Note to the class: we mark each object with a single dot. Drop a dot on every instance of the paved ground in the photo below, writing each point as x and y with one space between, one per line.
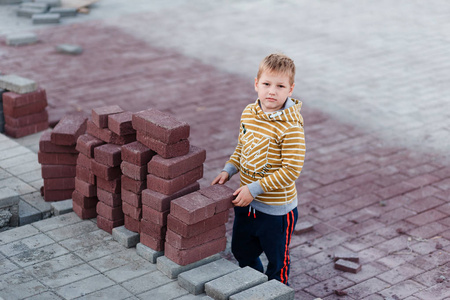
372 77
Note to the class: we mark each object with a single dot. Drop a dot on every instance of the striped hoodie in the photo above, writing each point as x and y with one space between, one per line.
270 155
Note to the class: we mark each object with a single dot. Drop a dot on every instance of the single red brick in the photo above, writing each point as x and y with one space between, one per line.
192 208
131 224
108 154
120 123
84 213
46 145
16 100
135 186
347 266
27 120
153 229
165 150
67 131
131 198
136 153
110 199
161 126
132 211
171 186
57 171
108 136
105 172
180 242
133 171
57 195
84 188
155 216
100 114
55 184
57 158
112 186
17 132
84 202
108 225
84 161
109 212
151 242
86 144
189 231
85 174
161 202
174 167
189 256
221 194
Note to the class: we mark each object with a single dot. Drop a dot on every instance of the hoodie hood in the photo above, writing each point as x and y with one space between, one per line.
291 112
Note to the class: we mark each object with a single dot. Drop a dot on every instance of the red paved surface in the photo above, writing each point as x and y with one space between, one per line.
389 205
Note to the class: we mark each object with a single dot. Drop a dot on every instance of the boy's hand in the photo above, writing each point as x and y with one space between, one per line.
221 178
243 196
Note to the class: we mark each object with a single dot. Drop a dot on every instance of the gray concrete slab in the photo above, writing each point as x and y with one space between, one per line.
148 253
125 237
62 207
172 269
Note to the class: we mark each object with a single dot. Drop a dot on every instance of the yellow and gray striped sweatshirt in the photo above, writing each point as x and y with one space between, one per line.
270 155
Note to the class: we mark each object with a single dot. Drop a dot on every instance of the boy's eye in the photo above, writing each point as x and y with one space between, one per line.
281 86
265 83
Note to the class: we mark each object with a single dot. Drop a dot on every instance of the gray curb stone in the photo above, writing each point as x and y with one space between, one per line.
17 84
172 269
148 253
19 39
125 237
69 49
271 290
222 288
62 207
46 18
28 214
194 280
64 11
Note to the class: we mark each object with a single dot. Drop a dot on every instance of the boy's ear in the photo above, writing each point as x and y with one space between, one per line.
292 89
256 84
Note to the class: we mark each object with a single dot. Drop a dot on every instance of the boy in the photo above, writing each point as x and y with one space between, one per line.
269 157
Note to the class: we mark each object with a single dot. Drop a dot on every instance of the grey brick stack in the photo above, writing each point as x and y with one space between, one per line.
172 173
58 157
24 106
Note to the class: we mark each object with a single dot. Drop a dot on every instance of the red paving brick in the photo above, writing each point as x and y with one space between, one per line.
357 191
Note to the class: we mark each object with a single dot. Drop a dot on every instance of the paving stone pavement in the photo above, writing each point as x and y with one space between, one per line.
376 179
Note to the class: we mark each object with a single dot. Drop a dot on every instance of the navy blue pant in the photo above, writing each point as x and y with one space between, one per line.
256 233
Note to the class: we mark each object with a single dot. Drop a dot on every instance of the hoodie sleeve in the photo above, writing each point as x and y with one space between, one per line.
292 159
232 166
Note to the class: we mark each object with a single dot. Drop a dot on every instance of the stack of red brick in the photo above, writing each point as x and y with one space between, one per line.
135 157
58 157
25 114
196 224
172 173
112 125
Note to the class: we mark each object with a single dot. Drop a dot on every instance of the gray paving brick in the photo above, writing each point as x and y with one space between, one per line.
14 278
23 290
51 266
130 271
271 290
146 282
8 197
148 253
172 269
84 287
62 207
51 3
16 234
57 222
194 280
17 185
28 214
125 237
222 288
45 296
29 243
7 266
68 276
169 291
33 256
64 11
23 168
46 18
98 250
17 84
72 230
69 49
86 240
28 12
113 292
116 260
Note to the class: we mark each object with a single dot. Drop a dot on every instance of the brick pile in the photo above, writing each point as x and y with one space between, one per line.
196 224
135 157
24 110
172 173
58 157
112 125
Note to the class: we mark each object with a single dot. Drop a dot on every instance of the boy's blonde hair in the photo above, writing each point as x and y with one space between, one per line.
278 63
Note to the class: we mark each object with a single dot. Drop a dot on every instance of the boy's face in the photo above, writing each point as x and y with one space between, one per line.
273 89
